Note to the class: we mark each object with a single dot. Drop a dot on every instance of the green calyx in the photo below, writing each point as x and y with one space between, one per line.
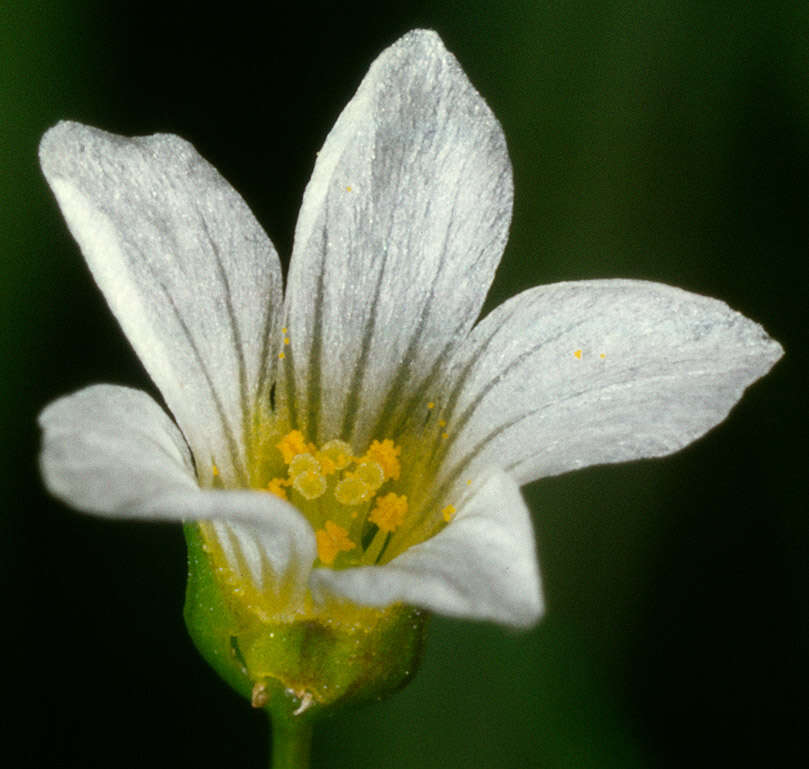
302 669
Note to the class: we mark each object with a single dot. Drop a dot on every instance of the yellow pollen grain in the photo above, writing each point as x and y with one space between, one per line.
577 354
332 540
390 512
303 463
442 422
339 452
448 512
286 340
445 435
281 356
431 405
292 444
215 471
352 491
602 356
371 474
310 484
284 330
469 482
385 453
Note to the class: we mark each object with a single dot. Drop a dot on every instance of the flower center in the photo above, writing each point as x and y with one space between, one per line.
351 500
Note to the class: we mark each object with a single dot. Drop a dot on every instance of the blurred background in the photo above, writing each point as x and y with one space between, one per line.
660 140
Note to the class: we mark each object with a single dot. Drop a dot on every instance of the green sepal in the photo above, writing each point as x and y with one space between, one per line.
303 669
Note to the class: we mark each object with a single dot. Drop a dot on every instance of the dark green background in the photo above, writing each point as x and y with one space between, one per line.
666 141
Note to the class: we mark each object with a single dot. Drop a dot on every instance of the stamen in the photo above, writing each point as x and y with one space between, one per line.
386 453
389 513
292 444
332 540
276 486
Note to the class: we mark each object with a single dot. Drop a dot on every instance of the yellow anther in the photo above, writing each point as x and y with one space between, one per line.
276 486
352 491
389 513
292 444
577 354
386 453
371 474
303 463
309 484
448 512
332 540
339 452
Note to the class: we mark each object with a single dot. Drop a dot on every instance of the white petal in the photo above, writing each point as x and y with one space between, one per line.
114 452
401 228
193 280
483 565
576 374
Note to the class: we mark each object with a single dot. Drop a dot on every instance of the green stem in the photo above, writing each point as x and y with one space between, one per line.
291 744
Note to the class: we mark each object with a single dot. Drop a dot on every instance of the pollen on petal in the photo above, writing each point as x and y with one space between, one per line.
390 512
385 453
577 354
332 540
448 512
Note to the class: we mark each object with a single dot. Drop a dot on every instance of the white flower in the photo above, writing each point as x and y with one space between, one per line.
397 429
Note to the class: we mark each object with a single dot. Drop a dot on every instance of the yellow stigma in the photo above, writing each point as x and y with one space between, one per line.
332 540
385 453
390 512
448 512
292 444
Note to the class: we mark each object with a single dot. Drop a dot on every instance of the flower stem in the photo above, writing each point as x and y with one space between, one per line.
291 744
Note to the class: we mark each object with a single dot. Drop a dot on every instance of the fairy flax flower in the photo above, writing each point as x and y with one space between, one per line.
355 448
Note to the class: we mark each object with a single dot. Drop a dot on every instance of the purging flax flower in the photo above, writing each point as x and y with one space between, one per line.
359 443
